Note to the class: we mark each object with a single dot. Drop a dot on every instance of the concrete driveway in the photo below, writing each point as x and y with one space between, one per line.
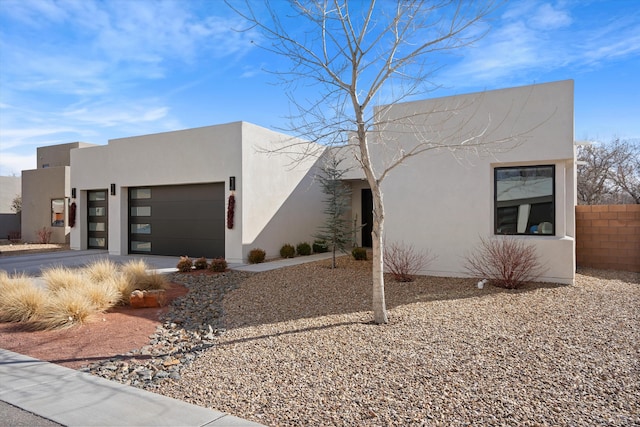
33 264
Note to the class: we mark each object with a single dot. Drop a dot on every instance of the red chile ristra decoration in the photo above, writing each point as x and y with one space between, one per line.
231 207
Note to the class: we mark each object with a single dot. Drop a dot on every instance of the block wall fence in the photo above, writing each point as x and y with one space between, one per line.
608 237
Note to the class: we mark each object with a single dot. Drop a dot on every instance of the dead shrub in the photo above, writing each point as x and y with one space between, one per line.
403 261
507 261
44 235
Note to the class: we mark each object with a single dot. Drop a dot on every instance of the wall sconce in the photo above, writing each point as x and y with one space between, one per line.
232 183
73 193
113 189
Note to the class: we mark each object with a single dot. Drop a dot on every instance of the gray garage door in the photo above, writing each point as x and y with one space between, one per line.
177 220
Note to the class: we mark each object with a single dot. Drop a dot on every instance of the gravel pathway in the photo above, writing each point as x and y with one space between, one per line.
296 347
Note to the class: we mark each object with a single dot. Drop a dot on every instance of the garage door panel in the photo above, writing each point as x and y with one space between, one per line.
188 247
186 210
183 220
190 230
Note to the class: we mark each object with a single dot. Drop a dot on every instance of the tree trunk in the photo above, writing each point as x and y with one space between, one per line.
379 303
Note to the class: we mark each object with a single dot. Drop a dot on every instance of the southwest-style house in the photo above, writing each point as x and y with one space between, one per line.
170 193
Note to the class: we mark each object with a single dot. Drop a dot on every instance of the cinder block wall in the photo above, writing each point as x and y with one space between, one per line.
608 237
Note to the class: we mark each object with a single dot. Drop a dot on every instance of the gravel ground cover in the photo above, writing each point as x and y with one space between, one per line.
299 349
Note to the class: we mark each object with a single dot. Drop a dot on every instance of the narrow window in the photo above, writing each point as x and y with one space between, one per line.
524 200
57 213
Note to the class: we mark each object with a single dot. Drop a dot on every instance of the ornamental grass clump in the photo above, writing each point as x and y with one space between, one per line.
67 308
57 278
139 277
102 270
20 300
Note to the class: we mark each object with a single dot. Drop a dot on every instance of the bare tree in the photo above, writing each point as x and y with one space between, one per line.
593 183
609 173
353 58
625 173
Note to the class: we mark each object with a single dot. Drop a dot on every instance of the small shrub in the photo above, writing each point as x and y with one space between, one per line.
320 246
287 251
44 235
359 254
404 261
218 265
303 249
507 262
256 256
185 264
201 264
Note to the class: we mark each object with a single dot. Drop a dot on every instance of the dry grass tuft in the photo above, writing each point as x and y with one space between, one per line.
138 277
67 308
20 300
58 278
101 270
73 297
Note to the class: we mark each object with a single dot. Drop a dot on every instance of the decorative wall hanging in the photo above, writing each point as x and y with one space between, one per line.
231 207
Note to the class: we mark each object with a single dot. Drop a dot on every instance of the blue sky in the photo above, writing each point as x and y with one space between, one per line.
91 71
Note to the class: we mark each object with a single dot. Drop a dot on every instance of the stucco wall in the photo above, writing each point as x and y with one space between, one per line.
271 199
282 203
442 200
39 187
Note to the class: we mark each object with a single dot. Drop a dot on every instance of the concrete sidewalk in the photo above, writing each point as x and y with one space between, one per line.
73 398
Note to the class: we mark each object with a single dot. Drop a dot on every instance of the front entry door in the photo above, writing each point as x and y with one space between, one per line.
367 217
97 219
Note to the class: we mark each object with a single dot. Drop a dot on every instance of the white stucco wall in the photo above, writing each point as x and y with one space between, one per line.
270 198
443 201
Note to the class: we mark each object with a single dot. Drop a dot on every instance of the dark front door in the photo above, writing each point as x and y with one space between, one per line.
97 219
367 217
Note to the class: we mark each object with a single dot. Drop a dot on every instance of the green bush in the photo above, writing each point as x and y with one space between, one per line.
185 264
201 264
359 254
320 246
303 249
287 251
218 265
256 256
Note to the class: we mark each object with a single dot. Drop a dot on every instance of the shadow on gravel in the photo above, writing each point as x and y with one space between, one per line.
315 290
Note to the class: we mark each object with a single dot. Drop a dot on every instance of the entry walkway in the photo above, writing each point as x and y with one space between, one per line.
42 393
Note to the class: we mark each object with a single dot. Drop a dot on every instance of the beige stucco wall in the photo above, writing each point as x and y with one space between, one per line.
266 213
442 200
57 155
39 187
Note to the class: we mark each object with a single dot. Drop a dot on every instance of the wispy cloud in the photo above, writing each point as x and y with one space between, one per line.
532 37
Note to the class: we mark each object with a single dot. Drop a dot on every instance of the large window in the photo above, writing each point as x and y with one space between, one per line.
524 200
